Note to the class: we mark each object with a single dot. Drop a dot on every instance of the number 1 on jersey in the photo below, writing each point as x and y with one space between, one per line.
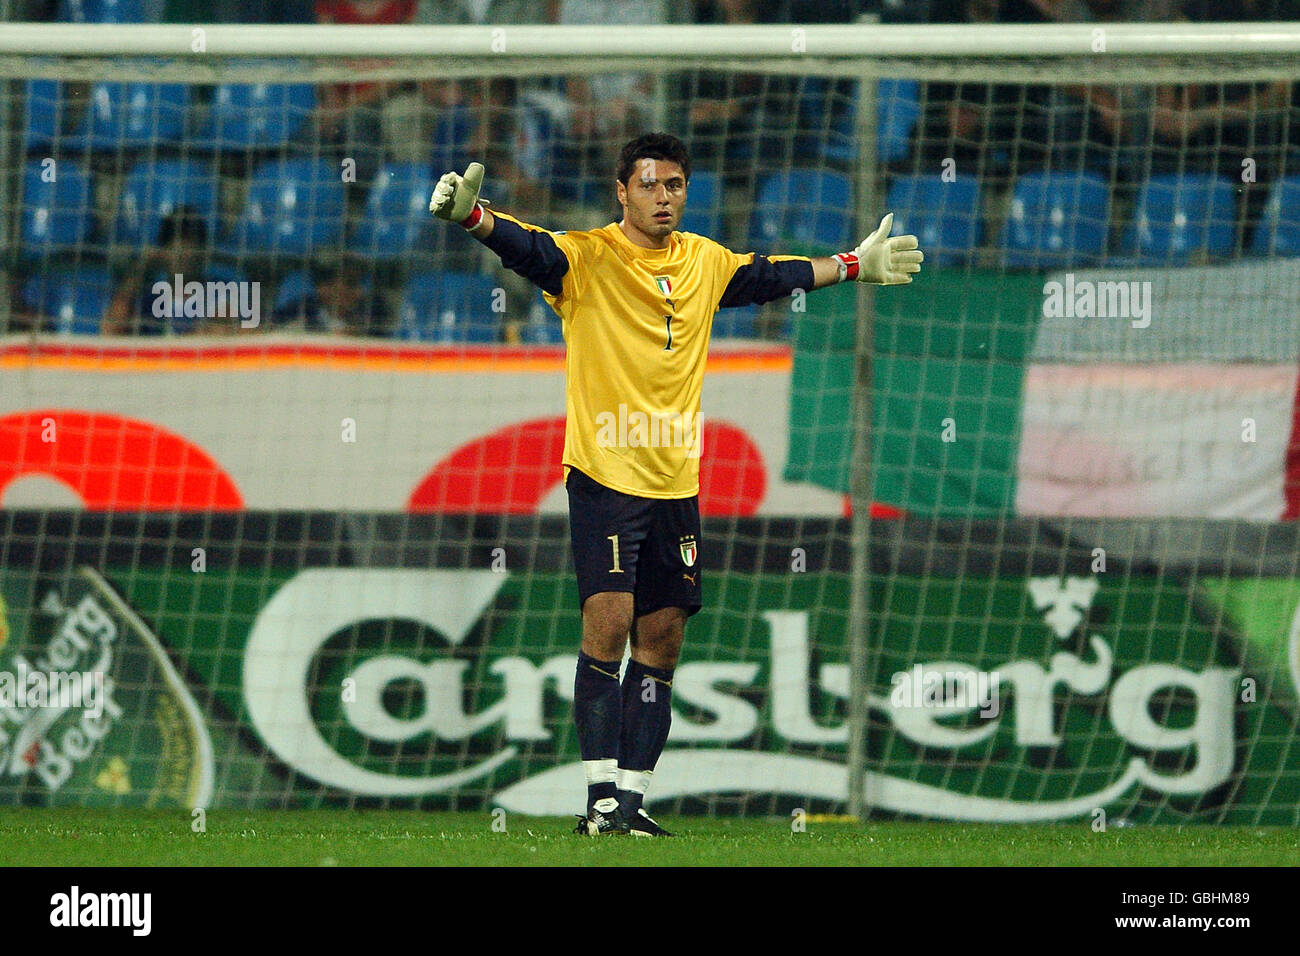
668 324
615 569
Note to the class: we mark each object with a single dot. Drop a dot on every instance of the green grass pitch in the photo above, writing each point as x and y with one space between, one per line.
67 837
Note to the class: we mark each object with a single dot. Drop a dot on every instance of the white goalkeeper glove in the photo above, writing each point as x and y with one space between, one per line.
455 198
882 260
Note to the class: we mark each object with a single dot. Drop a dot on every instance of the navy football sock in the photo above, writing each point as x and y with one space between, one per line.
597 715
647 714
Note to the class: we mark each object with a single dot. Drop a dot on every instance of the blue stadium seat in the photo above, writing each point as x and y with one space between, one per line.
44 113
1278 232
154 190
1179 216
703 206
1057 219
543 326
299 285
293 289
898 107
738 323
255 115
294 207
56 214
945 216
806 206
132 115
397 211
72 303
449 307
102 11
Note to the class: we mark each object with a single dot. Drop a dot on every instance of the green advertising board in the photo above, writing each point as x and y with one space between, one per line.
92 710
1000 690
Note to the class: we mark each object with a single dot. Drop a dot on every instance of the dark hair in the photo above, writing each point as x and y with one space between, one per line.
653 146
185 222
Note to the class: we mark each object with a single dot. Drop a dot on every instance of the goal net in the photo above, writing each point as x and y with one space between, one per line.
282 520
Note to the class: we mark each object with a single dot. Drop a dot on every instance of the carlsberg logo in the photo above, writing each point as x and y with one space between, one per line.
1026 693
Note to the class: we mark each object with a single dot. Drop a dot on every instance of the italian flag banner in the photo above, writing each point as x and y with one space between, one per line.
1102 393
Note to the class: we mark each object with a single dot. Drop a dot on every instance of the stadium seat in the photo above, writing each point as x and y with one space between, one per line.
898 107
293 289
738 323
945 216
154 190
294 206
807 206
56 211
543 326
132 115
813 112
1057 219
1278 232
298 285
255 115
449 307
1180 216
72 303
397 211
703 206
43 113
102 11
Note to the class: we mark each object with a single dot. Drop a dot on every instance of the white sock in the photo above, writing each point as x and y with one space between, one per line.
604 770
637 781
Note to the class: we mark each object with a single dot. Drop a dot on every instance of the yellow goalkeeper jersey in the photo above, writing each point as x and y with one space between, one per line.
636 324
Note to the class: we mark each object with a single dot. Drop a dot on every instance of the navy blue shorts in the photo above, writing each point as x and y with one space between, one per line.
648 547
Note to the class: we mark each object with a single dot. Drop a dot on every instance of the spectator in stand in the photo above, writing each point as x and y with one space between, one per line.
481 119
607 109
1237 130
486 12
1014 127
1107 128
732 114
338 304
478 119
242 11
996 131
737 121
348 115
180 250
825 11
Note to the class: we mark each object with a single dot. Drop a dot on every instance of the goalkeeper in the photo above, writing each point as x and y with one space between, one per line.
637 300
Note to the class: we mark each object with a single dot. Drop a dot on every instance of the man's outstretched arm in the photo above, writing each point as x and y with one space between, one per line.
531 253
878 259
